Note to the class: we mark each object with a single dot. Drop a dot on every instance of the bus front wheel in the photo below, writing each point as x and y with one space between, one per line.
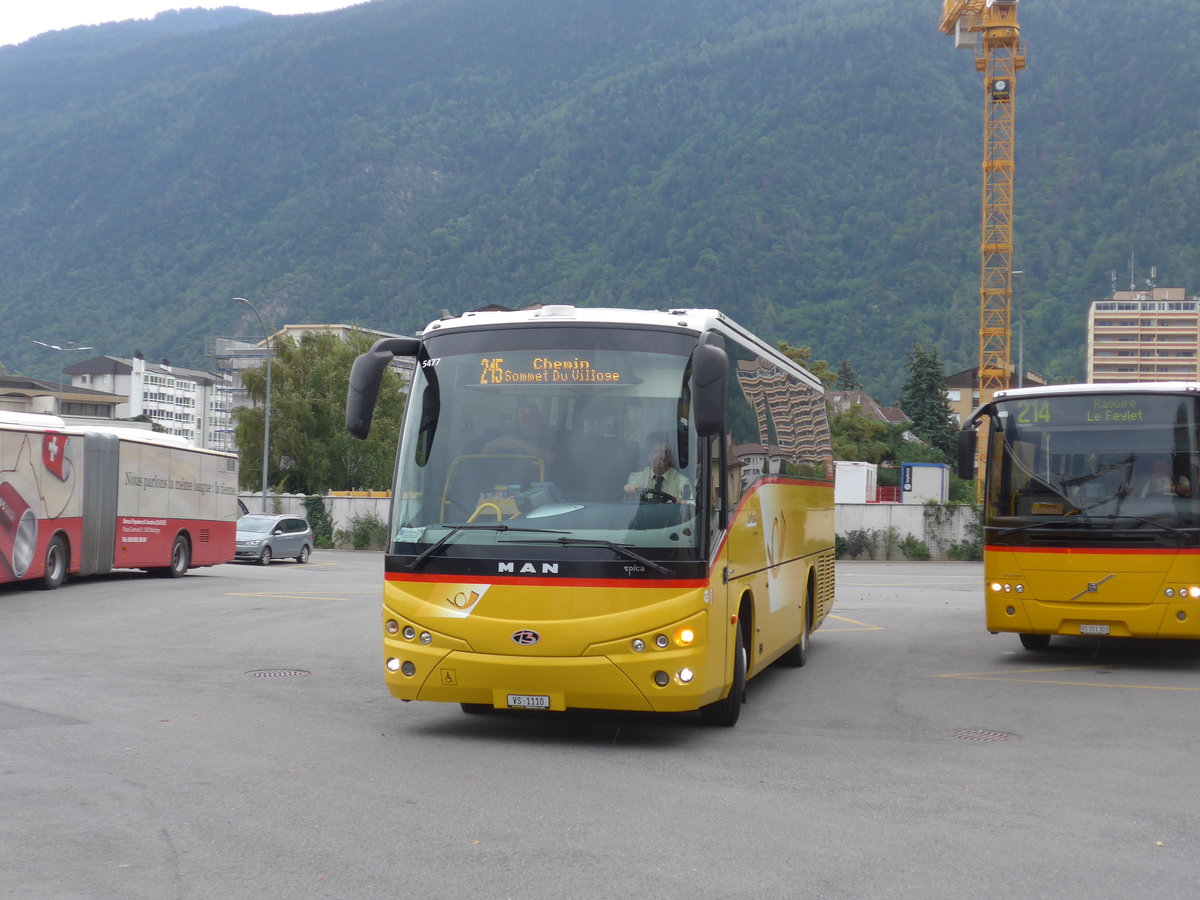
1035 641
725 712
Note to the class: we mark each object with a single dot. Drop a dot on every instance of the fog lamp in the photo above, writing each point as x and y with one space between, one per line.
662 679
393 664
685 675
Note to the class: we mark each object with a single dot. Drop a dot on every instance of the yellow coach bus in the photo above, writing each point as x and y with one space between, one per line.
600 509
1091 523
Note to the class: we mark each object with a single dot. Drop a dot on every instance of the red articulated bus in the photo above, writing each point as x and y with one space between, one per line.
84 500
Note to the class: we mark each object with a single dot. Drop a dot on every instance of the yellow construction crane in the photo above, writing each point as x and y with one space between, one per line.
990 28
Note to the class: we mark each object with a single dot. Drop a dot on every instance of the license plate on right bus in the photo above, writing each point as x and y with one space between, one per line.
528 701
1093 629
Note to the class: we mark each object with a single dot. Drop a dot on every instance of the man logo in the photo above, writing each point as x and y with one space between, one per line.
525 637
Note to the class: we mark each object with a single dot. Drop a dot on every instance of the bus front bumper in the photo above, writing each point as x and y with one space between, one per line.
554 683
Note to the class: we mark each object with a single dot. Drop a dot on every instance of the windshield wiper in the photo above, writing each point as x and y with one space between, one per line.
456 529
1186 532
1086 520
622 549
1029 526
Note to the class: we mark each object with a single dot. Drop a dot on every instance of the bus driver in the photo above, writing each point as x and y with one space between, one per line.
660 479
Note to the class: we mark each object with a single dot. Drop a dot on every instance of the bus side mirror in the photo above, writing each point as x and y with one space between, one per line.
365 376
968 440
710 368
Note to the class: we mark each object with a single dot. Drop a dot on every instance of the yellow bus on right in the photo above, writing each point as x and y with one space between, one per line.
1091 522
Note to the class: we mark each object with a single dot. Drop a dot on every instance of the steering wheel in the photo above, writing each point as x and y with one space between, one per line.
652 495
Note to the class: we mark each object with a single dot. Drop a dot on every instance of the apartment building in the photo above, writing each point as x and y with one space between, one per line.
1148 335
185 402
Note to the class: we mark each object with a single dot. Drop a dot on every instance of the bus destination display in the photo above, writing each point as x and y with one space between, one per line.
543 370
1094 411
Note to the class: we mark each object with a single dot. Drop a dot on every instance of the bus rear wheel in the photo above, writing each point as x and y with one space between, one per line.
55 572
725 713
180 557
797 655
1035 641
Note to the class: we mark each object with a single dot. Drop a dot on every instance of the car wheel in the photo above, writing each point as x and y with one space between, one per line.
264 558
305 552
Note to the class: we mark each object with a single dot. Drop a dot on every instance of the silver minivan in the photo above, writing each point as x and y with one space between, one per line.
266 537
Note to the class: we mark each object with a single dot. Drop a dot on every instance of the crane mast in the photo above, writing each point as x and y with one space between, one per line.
990 28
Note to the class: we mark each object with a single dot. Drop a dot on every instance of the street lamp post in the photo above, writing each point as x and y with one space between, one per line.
267 414
69 345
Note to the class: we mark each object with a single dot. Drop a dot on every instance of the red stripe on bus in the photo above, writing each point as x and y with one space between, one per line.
639 583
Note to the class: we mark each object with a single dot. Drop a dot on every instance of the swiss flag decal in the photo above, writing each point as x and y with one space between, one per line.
54 447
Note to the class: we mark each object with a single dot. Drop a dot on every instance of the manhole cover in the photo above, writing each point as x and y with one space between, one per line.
982 734
277 673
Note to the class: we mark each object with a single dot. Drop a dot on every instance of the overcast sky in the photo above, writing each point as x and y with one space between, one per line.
23 19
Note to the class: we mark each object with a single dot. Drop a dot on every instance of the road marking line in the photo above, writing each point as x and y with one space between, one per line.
860 626
1015 677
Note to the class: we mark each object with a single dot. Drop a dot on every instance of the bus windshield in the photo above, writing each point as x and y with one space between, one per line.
1118 461
550 434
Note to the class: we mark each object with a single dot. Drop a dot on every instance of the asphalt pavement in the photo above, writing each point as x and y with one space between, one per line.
228 735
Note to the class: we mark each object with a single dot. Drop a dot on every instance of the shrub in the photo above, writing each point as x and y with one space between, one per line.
365 532
318 518
914 548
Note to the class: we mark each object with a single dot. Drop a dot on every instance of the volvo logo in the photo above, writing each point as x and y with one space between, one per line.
525 637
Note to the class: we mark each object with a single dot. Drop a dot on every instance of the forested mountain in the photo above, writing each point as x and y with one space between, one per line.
812 167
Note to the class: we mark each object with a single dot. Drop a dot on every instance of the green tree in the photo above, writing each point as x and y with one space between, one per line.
847 378
923 399
857 436
311 452
803 356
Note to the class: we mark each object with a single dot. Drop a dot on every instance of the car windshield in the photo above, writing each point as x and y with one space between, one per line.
261 524
580 432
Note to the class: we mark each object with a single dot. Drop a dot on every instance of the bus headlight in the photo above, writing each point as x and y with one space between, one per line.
661 642
391 626
685 675
684 637
638 645
393 664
